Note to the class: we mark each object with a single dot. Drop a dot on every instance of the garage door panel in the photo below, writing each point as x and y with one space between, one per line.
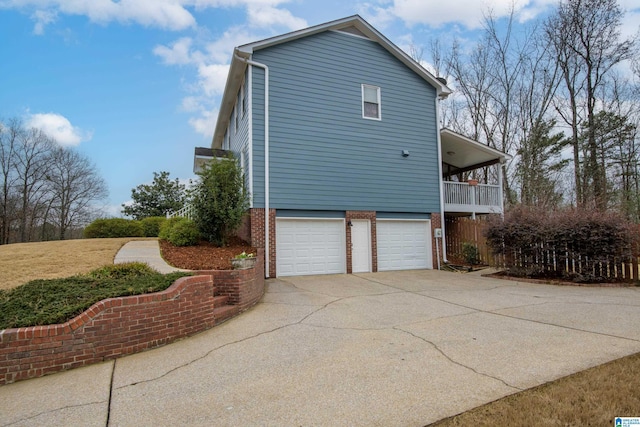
310 246
403 245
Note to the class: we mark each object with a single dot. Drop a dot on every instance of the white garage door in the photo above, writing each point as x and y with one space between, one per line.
310 246
404 244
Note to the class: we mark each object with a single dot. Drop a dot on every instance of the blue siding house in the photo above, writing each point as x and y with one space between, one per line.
337 133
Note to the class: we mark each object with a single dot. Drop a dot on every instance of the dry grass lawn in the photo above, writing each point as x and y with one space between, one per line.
22 262
589 398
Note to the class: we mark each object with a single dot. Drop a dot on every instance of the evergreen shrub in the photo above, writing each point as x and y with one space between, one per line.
113 227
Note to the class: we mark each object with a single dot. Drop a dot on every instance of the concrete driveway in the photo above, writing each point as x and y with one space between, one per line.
385 349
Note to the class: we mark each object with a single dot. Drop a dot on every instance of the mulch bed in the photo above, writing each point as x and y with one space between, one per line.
204 256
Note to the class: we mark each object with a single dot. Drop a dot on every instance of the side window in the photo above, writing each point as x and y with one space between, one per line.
237 119
371 103
242 101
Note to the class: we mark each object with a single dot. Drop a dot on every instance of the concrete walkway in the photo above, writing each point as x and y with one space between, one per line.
147 251
381 349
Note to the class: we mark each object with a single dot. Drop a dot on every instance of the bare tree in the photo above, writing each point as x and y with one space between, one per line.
588 45
32 164
44 187
73 184
8 142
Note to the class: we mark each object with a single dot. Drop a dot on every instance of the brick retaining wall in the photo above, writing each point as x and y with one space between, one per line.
116 327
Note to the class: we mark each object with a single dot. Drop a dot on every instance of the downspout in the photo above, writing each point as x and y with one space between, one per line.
266 157
442 226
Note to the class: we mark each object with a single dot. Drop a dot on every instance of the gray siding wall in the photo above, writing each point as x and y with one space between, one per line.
239 139
323 154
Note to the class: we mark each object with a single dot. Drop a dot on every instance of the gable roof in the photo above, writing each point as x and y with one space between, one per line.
354 25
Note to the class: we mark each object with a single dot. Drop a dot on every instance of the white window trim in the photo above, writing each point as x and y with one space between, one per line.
236 115
378 91
243 104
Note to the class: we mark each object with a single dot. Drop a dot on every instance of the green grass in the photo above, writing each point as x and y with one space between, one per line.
46 302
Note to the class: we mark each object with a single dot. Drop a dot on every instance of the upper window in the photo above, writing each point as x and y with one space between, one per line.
244 104
236 121
371 102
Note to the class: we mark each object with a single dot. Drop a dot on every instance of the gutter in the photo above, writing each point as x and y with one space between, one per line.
266 157
442 225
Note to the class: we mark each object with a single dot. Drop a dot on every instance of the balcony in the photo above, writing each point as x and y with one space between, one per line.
462 198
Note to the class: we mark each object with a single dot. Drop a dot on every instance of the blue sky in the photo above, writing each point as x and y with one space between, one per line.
136 84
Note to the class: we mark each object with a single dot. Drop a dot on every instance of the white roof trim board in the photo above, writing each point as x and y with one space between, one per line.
237 68
462 152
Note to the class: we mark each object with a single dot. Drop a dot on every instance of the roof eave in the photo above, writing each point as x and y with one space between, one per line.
502 156
234 81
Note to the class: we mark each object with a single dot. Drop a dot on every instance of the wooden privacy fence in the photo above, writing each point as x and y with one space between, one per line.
542 258
461 230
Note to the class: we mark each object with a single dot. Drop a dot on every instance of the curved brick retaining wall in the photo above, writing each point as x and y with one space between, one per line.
116 327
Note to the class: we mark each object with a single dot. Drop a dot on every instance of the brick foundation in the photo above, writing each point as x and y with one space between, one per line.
116 327
257 235
436 244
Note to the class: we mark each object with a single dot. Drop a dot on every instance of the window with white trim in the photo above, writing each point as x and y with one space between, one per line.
371 105
236 120
242 100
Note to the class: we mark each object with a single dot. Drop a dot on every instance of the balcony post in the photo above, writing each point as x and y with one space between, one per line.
474 201
500 192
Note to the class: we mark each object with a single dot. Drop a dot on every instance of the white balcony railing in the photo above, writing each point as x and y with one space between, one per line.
465 198
187 211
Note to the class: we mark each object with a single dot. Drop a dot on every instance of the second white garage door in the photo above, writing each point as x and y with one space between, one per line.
404 244
310 246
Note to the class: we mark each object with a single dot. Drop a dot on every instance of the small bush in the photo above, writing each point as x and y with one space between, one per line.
119 271
180 232
113 227
167 225
151 225
470 253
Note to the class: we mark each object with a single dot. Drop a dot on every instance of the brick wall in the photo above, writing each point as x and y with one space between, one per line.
243 287
371 216
116 327
258 231
436 223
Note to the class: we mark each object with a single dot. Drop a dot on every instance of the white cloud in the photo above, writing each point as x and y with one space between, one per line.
466 12
205 123
59 127
265 16
42 18
177 54
190 104
166 14
220 50
212 78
